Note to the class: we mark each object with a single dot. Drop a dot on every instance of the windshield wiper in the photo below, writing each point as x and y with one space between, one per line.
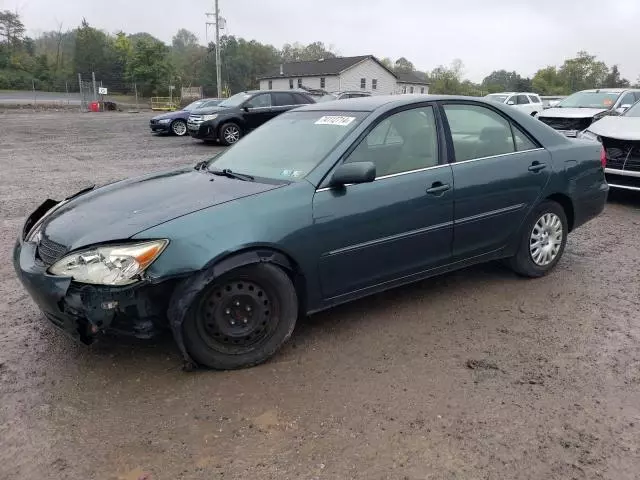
226 172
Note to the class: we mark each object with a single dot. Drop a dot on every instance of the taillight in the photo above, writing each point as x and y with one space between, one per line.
603 157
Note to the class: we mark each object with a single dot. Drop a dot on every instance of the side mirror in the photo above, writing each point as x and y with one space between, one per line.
356 172
511 102
246 108
623 108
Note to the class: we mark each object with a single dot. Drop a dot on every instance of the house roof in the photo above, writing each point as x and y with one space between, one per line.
316 68
410 77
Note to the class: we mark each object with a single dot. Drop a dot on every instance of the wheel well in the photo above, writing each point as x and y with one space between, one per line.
567 205
267 255
231 120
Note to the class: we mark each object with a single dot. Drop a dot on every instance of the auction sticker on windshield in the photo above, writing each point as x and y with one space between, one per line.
335 120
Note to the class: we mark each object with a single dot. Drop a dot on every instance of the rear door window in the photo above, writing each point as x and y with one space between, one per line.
283 99
522 100
478 132
301 99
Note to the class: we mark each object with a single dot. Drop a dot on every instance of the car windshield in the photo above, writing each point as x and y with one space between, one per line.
589 100
289 146
497 98
236 100
194 105
633 111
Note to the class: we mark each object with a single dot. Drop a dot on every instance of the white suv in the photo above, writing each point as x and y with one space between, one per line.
525 101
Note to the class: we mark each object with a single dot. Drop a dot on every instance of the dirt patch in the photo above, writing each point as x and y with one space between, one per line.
477 374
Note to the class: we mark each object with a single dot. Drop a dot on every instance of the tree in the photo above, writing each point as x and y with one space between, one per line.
402 65
548 81
614 80
387 62
297 52
583 72
11 28
93 52
184 40
149 65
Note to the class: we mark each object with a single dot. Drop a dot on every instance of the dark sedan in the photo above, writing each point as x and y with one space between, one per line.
176 122
236 116
322 205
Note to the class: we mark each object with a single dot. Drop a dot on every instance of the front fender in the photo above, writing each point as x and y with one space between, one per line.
187 290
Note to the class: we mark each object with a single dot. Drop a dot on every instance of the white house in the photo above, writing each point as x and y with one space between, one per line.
364 73
409 82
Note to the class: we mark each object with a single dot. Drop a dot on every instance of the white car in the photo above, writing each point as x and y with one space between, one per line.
576 112
525 101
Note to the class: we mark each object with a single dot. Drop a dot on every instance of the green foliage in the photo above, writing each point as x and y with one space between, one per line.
149 65
297 52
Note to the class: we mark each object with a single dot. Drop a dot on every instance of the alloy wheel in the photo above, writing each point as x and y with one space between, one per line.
231 134
179 128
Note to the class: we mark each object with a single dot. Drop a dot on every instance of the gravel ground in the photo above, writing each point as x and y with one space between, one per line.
473 375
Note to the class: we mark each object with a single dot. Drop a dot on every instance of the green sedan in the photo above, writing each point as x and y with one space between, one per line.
322 205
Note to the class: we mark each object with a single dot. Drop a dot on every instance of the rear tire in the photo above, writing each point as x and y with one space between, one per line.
542 241
179 128
242 318
230 133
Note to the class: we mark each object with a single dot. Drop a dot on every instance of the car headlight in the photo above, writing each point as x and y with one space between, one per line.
206 118
110 264
588 135
164 120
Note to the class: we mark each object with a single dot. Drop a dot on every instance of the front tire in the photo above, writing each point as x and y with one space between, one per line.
242 318
542 242
230 133
179 128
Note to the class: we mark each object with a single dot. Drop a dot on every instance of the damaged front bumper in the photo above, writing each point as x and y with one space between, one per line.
85 311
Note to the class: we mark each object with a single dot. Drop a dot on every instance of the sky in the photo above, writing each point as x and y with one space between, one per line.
487 35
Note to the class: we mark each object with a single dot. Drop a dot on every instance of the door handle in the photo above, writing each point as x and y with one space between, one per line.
438 188
537 166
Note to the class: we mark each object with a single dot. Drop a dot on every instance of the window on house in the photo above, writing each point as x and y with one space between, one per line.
421 89
291 83
374 84
299 83
411 90
363 83
404 89
270 85
322 82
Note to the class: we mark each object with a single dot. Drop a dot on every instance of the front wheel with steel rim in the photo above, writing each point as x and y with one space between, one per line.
230 133
241 318
542 241
179 128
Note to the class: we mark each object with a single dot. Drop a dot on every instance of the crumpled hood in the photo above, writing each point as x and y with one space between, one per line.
621 128
123 209
571 112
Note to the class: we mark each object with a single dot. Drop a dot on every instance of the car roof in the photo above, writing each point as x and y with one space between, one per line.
610 90
374 102
513 93
288 90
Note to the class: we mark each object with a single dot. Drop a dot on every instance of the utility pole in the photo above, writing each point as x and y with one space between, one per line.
218 72
219 23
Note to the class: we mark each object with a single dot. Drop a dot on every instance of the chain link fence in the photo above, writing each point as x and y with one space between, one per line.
82 91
